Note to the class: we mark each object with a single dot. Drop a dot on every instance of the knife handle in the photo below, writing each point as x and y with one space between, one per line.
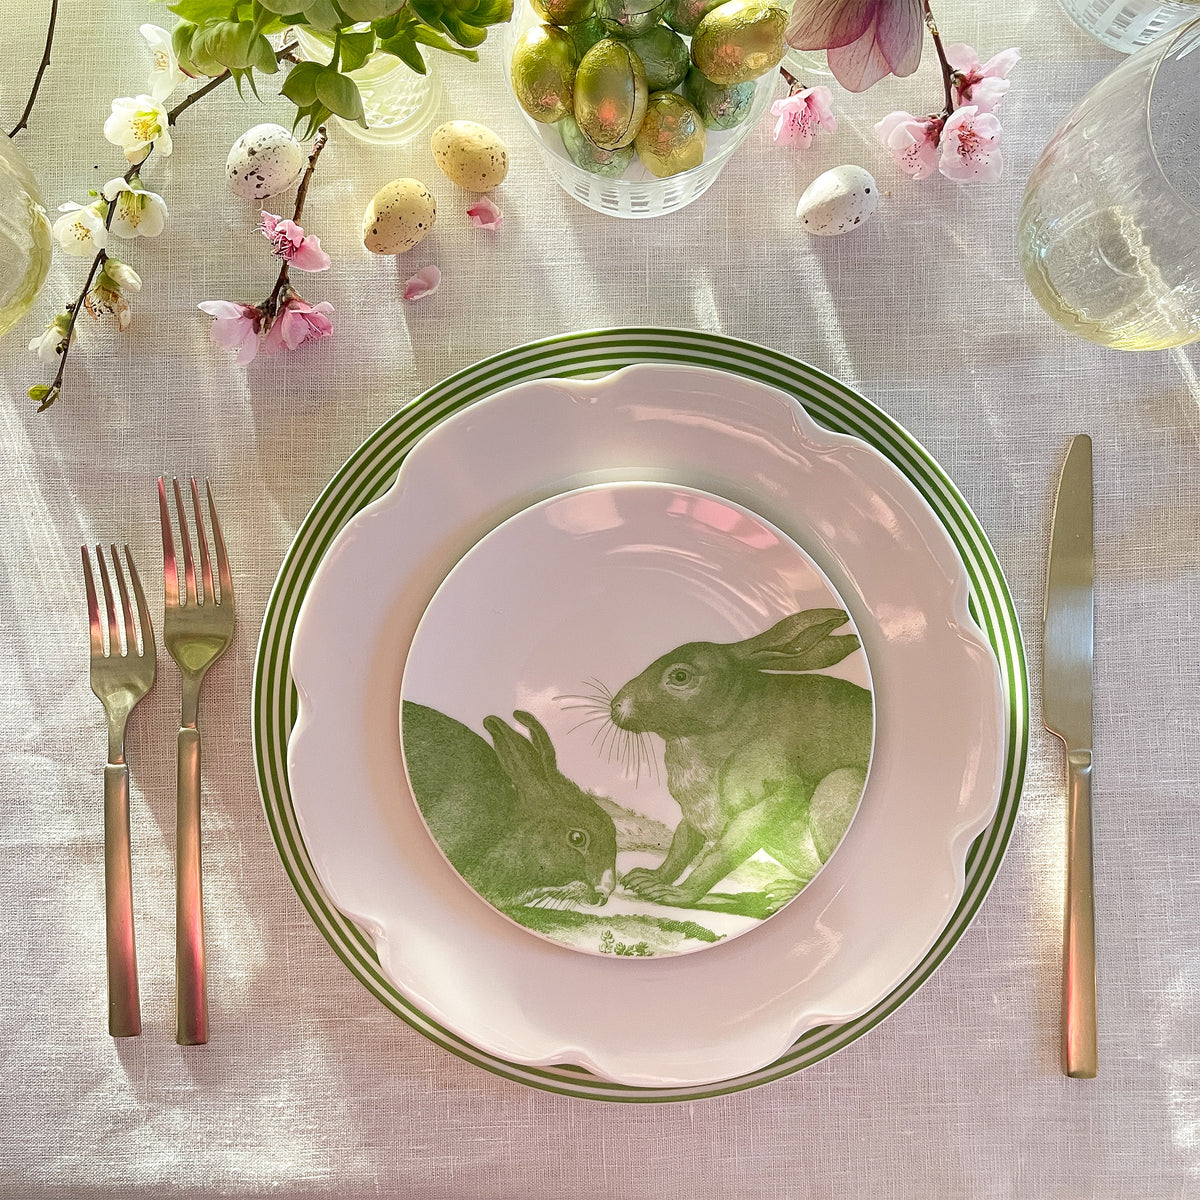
1079 942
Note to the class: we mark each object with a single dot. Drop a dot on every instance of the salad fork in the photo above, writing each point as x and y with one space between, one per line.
119 680
198 627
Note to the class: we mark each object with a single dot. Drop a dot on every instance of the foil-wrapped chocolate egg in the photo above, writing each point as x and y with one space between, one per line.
740 40
664 57
610 94
543 73
583 152
684 15
586 34
720 107
672 137
562 12
628 18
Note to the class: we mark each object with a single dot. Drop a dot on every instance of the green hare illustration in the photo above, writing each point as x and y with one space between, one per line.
761 753
512 825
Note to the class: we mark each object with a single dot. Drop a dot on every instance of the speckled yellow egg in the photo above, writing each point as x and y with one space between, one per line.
740 40
401 215
672 137
470 155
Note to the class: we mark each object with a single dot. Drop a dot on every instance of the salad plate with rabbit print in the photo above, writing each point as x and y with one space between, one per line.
636 719
803 455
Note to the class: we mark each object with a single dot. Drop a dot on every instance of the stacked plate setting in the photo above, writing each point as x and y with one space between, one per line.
704 415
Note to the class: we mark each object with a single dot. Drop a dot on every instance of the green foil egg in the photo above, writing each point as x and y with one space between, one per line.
586 34
740 40
563 12
672 137
628 18
610 94
720 107
585 153
684 15
664 57
543 73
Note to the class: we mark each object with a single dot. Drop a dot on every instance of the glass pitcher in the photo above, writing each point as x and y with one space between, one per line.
24 237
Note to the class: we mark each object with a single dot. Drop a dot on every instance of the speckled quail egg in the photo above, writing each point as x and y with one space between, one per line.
838 201
470 155
263 162
400 215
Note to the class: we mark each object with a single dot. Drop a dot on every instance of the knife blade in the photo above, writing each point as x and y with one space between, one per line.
1067 712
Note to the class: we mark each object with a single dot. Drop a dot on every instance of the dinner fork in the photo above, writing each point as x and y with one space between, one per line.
198 627
120 680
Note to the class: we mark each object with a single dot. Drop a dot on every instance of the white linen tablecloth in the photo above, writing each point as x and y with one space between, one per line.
309 1087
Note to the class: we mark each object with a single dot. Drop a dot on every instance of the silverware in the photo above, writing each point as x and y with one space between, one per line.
120 679
197 631
1067 712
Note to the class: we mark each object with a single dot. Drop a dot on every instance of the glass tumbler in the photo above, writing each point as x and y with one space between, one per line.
1109 231
1128 25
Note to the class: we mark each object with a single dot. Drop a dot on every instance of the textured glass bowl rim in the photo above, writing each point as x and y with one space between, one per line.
275 701
764 88
1192 28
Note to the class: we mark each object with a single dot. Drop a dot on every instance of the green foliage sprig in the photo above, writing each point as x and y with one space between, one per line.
214 36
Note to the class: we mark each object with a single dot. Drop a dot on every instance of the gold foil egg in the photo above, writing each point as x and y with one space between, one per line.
470 155
739 41
543 72
684 15
583 152
672 137
610 94
400 215
721 107
563 12
628 18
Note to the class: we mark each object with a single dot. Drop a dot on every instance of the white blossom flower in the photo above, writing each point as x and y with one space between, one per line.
80 230
166 75
138 124
46 346
121 275
139 213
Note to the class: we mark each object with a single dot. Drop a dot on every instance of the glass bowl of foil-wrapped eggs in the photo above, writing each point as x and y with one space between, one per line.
639 104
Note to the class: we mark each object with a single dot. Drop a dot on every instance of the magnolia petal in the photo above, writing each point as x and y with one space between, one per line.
860 64
485 214
423 283
827 24
901 34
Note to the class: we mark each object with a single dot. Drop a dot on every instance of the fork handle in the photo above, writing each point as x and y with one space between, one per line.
191 999
1079 945
124 1007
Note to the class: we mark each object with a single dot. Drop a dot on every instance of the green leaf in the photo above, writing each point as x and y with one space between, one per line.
389 27
369 10
39 391
300 86
404 46
262 56
339 93
282 8
321 14
356 49
232 43
315 114
199 11
205 49
430 37
464 34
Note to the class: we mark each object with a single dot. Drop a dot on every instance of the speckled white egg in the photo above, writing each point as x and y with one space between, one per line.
264 161
470 155
400 215
838 201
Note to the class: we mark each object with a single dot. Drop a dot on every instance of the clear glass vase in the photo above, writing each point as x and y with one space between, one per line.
397 102
25 239
1109 231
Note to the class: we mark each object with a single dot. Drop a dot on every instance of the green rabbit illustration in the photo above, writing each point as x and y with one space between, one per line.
761 753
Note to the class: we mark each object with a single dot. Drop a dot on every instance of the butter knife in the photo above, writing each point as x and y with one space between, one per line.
1067 712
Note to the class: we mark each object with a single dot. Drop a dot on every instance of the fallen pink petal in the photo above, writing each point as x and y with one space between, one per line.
485 214
423 283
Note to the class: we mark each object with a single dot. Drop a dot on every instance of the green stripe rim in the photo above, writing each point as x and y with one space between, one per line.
371 471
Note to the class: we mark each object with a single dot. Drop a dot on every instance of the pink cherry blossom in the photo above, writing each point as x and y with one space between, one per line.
801 114
423 283
970 148
912 142
296 323
485 214
981 84
289 242
866 39
236 327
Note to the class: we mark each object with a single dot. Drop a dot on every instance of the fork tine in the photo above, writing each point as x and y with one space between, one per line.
126 608
170 571
189 566
202 540
219 540
114 632
89 583
143 611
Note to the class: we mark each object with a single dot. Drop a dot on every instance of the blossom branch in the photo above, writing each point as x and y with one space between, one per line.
281 284
23 123
947 70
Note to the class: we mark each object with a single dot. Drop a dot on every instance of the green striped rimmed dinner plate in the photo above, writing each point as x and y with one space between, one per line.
371 471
